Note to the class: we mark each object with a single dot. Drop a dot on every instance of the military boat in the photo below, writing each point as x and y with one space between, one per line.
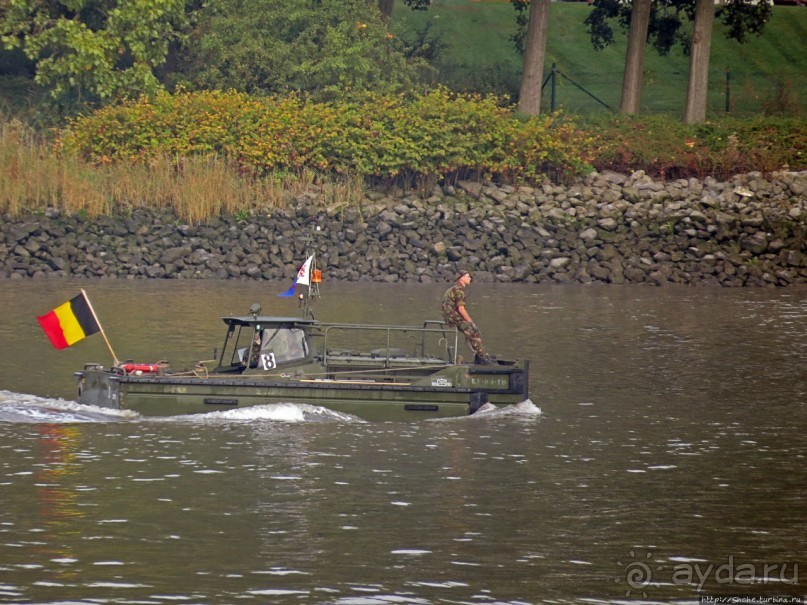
375 372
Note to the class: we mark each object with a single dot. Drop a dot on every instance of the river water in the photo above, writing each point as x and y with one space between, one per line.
661 457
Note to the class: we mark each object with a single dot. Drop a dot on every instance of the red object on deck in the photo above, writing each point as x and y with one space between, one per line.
145 368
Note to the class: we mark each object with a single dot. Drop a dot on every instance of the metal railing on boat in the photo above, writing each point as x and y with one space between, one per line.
383 343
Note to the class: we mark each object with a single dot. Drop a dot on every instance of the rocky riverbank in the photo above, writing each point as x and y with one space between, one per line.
609 228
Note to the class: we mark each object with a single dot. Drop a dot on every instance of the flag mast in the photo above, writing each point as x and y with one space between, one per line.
314 276
100 327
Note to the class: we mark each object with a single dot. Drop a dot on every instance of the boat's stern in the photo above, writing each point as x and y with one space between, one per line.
502 383
97 387
509 378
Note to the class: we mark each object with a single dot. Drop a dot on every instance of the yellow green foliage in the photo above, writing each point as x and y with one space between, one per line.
665 147
437 133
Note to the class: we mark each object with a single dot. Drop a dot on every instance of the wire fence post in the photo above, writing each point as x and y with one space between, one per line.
554 85
728 91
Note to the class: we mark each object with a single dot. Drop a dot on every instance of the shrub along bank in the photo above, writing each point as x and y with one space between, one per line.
430 135
606 228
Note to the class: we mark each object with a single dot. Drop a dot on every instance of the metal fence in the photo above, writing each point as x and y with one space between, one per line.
737 93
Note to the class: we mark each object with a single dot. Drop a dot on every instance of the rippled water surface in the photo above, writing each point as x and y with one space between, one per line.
661 457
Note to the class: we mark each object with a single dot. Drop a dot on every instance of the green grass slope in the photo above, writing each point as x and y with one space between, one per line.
768 74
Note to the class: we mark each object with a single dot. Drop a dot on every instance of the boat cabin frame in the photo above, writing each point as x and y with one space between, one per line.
258 344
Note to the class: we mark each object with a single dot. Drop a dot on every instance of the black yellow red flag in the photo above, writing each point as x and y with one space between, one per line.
70 322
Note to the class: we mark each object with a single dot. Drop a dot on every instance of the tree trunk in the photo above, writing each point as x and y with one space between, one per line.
386 6
634 57
699 62
529 98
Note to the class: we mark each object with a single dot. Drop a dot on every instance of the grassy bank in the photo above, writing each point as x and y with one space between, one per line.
769 76
35 175
768 73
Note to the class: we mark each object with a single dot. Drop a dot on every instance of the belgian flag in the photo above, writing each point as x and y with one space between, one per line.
70 322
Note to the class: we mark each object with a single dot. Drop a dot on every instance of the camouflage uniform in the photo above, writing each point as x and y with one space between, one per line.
453 299
254 355
255 352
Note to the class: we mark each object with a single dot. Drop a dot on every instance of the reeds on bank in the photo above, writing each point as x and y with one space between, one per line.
34 176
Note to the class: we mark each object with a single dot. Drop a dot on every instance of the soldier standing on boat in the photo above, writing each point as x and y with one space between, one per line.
255 351
455 314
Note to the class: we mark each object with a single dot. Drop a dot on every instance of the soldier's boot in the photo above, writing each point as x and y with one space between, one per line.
484 360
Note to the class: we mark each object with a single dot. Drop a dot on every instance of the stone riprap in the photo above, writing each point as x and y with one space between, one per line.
606 227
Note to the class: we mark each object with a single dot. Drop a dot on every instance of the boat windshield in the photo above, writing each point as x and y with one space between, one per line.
284 344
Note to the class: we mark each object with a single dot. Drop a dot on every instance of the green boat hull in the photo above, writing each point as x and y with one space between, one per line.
471 386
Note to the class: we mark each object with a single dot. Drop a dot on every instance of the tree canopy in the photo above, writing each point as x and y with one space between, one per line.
94 50
97 51
323 49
